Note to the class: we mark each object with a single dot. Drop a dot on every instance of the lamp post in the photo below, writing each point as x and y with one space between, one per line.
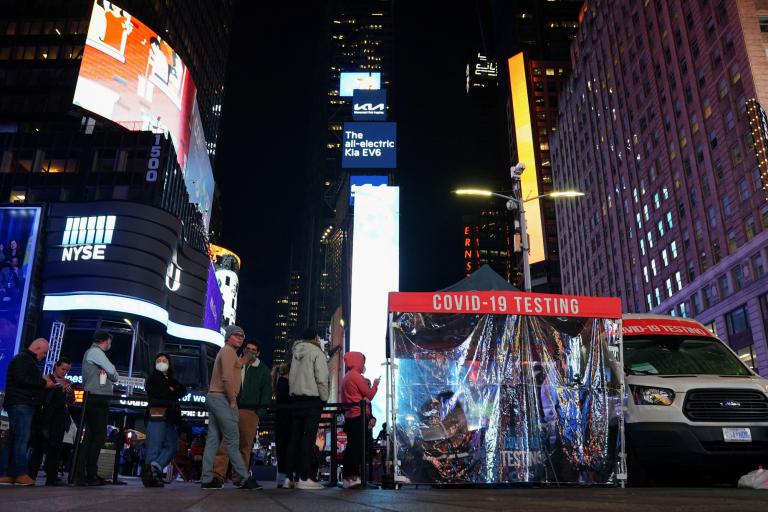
518 203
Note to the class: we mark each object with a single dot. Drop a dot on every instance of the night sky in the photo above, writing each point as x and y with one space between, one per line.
273 73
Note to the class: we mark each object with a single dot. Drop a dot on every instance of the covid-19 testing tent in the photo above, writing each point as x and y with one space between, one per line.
503 387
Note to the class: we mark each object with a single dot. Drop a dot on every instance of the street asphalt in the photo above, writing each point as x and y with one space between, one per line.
181 496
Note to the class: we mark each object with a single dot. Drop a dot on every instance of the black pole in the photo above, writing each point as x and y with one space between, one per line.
363 465
334 449
78 438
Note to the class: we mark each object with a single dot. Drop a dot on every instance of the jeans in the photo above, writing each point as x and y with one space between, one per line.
96 413
304 424
248 425
162 443
13 458
222 424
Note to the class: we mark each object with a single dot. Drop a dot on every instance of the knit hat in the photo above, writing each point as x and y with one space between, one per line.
232 329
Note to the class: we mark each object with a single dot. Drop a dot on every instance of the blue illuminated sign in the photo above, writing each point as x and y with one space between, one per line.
369 105
359 181
369 146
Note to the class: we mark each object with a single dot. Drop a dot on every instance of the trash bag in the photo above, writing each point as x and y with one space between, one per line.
757 479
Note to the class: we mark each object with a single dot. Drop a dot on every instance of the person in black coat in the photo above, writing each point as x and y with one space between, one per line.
24 388
163 420
52 423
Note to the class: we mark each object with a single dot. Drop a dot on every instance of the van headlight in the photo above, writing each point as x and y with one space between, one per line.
644 395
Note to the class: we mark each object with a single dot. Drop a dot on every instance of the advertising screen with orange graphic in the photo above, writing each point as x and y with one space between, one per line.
130 75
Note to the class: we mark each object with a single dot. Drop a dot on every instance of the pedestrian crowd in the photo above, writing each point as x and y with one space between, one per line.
240 391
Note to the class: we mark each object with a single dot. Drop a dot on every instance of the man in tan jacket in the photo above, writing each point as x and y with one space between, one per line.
223 415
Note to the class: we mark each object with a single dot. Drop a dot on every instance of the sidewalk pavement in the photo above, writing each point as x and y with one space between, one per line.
181 496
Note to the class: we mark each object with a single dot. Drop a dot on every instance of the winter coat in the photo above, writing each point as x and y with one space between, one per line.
24 385
354 387
160 394
256 391
309 370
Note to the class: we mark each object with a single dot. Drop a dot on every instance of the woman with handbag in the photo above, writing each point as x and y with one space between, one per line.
163 418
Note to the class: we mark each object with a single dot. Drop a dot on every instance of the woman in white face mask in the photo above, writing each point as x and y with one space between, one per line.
163 418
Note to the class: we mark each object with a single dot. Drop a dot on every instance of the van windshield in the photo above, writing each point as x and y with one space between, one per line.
672 355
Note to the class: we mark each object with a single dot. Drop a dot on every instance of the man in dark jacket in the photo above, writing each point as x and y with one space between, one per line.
24 387
52 423
255 392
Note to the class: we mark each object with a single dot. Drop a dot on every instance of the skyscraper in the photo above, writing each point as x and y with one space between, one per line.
658 125
109 114
359 40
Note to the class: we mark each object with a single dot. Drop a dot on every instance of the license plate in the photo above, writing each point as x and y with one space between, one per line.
737 435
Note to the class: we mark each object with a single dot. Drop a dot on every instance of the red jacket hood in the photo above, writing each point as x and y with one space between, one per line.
354 361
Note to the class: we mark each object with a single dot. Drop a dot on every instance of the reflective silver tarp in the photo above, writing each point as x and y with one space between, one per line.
489 399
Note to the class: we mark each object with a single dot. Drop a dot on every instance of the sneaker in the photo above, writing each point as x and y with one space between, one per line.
213 484
250 485
309 485
54 482
6 480
24 480
288 483
355 483
95 481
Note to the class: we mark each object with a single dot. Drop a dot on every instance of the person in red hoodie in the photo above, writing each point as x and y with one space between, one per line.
355 388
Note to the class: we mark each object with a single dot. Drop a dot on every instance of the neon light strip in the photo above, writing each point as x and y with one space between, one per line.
131 306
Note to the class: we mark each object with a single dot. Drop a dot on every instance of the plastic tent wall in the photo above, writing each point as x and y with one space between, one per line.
505 387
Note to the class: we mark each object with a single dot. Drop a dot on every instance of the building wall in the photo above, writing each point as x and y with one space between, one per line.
653 125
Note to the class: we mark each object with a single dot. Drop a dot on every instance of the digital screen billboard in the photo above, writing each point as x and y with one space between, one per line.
128 258
369 146
348 82
19 227
214 304
130 75
375 273
529 181
357 181
369 105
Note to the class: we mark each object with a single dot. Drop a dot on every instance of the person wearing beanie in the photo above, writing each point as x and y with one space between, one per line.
308 387
163 419
355 388
223 417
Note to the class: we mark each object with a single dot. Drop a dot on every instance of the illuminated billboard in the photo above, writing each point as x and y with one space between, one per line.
348 82
131 76
369 105
375 273
529 181
369 146
19 227
214 303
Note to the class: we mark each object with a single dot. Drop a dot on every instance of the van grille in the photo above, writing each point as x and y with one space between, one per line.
725 405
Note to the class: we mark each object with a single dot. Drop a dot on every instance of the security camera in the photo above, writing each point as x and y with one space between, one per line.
517 170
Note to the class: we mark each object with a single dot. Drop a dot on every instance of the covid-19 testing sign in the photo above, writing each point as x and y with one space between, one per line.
369 146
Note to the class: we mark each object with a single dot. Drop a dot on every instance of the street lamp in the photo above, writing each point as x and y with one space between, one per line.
517 203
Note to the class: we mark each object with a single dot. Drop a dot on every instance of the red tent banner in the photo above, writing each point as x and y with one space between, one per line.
505 303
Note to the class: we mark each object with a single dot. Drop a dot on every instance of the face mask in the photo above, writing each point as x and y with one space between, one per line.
161 367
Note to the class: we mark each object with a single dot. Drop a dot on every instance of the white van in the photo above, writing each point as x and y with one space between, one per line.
693 408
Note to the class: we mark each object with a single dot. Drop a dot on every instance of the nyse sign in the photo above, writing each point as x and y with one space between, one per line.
86 238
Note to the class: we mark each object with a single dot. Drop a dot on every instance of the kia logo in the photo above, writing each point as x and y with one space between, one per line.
369 107
730 404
